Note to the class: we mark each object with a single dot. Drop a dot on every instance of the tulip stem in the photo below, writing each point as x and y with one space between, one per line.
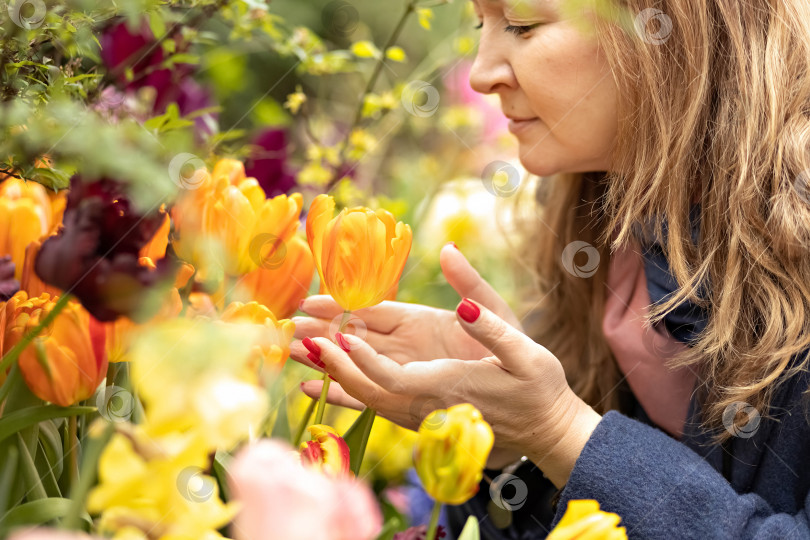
326 380
322 400
72 455
15 351
434 521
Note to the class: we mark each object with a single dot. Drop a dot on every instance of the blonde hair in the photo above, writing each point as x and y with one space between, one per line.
717 112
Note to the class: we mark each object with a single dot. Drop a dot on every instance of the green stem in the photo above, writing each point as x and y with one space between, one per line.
79 490
15 351
11 380
361 449
434 521
326 379
299 432
72 455
409 8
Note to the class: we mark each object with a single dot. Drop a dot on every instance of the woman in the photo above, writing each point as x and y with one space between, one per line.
673 145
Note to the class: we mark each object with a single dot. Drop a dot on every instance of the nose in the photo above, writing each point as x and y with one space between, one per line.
491 70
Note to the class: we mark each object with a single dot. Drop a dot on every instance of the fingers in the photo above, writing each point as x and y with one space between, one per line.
411 378
468 283
516 351
335 395
300 354
382 318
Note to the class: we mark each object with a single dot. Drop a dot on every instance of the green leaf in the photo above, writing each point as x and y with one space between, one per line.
220 469
34 490
19 420
36 513
470 530
8 473
356 437
87 476
46 472
52 179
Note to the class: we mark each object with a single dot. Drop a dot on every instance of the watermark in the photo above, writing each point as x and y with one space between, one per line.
115 404
27 14
420 99
739 411
658 345
354 325
268 251
576 250
340 18
194 485
500 178
421 407
508 492
643 20
187 171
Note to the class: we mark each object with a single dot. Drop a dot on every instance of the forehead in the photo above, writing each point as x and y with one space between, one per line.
518 6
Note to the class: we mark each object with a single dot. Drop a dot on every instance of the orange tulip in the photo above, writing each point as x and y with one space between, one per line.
275 346
30 282
156 248
359 254
281 287
25 215
228 222
63 365
326 451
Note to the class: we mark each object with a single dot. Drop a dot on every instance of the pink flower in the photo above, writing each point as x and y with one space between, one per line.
281 499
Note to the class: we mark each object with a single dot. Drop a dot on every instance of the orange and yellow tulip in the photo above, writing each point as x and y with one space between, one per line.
327 451
274 348
281 287
583 520
232 216
63 365
26 215
359 254
451 451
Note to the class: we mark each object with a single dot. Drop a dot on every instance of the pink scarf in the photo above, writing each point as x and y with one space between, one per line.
641 351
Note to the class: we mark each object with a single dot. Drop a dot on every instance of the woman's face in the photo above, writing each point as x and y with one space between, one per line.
551 76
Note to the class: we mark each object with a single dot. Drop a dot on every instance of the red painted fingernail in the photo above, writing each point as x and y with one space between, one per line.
311 346
316 360
454 245
342 342
301 304
332 378
468 311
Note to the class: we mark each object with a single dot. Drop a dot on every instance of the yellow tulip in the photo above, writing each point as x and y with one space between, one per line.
327 451
281 287
359 254
584 521
25 216
62 365
451 451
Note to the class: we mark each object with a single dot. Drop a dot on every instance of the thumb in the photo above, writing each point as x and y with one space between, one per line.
514 349
468 283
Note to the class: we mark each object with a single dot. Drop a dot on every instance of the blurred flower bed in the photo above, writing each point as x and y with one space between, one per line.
158 162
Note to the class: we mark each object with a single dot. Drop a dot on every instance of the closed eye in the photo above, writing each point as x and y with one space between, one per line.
520 30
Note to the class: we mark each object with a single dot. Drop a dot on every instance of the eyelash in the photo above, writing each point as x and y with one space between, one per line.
516 30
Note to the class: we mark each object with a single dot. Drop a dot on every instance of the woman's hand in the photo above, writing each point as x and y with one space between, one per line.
409 332
520 390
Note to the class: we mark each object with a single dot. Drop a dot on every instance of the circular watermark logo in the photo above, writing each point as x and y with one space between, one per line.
267 251
741 419
27 14
500 178
194 485
421 407
115 404
658 344
647 16
354 325
420 98
340 18
572 259
508 492
187 171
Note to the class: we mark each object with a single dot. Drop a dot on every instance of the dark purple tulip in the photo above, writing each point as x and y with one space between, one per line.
95 254
419 533
268 162
8 285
